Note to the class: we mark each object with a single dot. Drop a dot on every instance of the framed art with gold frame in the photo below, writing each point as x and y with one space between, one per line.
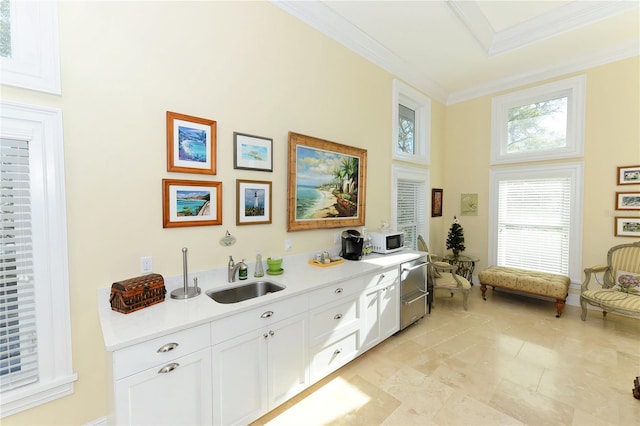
326 184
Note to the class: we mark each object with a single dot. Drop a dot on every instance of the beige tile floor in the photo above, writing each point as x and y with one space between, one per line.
508 360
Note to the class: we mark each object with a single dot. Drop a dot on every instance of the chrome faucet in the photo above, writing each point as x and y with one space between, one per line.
233 268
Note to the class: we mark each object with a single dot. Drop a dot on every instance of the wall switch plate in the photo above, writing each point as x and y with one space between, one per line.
287 245
146 264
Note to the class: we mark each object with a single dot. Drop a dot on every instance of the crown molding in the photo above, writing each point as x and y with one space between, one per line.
623 50
333 25
569 17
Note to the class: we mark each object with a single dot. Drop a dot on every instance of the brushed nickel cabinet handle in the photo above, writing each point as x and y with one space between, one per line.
166 348
337 316
339 290
267 314
168 368
337 351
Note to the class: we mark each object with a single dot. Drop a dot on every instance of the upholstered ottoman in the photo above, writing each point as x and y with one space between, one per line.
531 282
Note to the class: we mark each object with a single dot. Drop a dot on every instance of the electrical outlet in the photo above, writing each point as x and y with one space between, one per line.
336 238
146 264
287 245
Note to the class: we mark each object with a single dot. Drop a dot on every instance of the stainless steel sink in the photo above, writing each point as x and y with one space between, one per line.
244 291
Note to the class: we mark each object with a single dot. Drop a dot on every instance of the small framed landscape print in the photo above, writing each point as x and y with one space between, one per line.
627 227
629 175
254 202
252 152
436 202
627 200
191 144
191 203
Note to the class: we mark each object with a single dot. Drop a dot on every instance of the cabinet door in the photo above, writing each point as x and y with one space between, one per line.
288 372
240 379
370 318
177 393
389 298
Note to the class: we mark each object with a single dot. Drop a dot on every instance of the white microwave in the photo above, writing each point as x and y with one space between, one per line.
387 242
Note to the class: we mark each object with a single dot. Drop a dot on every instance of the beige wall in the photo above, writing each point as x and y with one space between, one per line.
253 69
612 139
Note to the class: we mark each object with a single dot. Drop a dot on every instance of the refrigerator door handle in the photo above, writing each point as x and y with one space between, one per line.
419 265
422 296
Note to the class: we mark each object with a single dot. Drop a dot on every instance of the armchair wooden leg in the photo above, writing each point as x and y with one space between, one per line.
483 288
583 305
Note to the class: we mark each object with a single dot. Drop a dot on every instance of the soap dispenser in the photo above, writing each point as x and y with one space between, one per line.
242 274
259 268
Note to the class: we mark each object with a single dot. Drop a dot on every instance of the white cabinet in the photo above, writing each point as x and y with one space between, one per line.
262 368
380 307
334 324
165 381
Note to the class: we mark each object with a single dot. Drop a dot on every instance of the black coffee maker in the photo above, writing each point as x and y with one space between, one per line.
351 244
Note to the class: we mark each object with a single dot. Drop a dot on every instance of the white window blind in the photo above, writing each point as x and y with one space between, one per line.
18 334
534 224
410 210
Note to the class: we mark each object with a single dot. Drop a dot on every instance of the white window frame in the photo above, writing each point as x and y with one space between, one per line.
572 170
574 88
35 59
400 172
42 127
411 98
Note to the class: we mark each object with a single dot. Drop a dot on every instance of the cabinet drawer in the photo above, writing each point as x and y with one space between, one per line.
384 278
334 356
333 319
253 319
159 351
336 292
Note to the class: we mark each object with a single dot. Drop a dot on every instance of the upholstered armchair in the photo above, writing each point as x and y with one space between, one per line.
444 276
620 287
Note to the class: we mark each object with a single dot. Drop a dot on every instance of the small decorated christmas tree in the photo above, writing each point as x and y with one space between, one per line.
455 239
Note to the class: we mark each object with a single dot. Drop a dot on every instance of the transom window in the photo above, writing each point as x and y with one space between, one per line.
411 125
541 123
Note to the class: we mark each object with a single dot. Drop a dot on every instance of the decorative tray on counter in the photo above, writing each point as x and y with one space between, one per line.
324 265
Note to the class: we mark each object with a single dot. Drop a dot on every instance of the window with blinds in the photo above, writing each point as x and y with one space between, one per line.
35 325
410 210
534 224
18 334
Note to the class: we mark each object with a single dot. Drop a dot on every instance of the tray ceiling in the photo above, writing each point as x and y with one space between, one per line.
455 50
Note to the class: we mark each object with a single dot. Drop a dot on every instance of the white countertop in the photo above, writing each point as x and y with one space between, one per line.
121 330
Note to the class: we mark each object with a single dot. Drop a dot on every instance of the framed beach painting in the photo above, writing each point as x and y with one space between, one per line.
254 202
252 152
191 144
191 203
326 184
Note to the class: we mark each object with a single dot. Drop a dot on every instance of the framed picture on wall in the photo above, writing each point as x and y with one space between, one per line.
254 202
191 144
629 175
252 152
191 203
326 184
627 227
627 200
436 202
